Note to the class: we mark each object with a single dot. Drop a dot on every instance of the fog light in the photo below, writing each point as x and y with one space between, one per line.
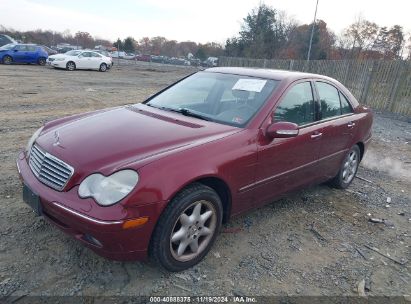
135 222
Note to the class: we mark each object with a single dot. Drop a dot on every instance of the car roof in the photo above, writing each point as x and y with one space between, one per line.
267 73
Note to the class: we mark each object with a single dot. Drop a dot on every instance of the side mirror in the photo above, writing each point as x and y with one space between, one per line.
282 129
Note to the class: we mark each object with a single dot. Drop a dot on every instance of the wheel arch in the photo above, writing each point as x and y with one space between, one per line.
218 185
72 62
40 58
223 191
6 55
362 149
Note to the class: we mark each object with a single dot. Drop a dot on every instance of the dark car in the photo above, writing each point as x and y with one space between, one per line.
158 59
49 51
23 53
143 57
5 39
161 177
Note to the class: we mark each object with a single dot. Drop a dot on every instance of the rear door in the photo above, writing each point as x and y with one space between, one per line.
96 60
31 54
336 118
287 163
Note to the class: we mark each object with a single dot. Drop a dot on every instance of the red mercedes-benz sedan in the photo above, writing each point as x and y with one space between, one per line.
159 178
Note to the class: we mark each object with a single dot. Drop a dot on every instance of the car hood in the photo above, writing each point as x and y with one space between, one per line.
131 136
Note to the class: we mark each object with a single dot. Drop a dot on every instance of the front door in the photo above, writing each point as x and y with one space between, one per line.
84 61
287 163
20 53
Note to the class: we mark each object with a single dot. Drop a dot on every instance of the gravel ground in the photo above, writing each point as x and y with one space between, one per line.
314 242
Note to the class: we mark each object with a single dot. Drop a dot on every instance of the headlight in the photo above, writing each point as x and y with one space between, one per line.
59 59
108 190
33 139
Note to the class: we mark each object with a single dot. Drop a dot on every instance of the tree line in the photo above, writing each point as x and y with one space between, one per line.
162 46
265 33
146 45
269 33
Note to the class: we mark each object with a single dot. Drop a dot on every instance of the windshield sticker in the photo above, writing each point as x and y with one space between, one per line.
251 85
237 119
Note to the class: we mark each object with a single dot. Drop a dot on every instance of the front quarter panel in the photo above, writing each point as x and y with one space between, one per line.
231 159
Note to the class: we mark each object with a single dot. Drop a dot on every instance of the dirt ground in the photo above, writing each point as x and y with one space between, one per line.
311 243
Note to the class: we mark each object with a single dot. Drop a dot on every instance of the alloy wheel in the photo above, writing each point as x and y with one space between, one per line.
7 60
350 167
193 231
71 66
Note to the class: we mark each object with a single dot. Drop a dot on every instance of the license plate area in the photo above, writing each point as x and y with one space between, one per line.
32 199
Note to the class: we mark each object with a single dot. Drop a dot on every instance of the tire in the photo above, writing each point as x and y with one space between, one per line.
70 66
103 67
348 169
192 217
41 61
7 59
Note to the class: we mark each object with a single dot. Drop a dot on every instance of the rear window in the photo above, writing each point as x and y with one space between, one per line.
345 105
330 100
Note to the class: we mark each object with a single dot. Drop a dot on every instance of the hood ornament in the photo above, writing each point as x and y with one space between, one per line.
56 139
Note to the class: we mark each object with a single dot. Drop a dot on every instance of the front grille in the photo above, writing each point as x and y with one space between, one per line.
49 169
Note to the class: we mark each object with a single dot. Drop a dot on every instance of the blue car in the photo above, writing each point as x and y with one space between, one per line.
23 53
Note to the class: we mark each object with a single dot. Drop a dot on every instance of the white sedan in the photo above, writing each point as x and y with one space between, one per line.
82 60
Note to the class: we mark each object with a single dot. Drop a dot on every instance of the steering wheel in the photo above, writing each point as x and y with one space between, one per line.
245 106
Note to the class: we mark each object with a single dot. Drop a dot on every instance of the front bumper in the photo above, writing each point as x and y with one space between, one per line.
106 237
58 64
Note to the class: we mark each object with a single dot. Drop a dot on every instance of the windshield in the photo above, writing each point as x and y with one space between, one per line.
7 46
224 98
73 53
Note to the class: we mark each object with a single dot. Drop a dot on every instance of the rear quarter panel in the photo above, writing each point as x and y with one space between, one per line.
364 119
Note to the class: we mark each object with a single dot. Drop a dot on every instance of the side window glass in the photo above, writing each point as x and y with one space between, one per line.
330 101
345 105
297 106
31 48
21 48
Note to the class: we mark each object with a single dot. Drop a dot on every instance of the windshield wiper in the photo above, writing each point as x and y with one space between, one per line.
184 111
187 112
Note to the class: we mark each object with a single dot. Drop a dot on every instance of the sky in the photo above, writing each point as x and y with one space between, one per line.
187 20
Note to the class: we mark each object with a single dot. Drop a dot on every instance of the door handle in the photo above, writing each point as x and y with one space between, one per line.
316 135
351 125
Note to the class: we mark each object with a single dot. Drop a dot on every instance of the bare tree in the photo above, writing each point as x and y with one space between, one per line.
362 34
